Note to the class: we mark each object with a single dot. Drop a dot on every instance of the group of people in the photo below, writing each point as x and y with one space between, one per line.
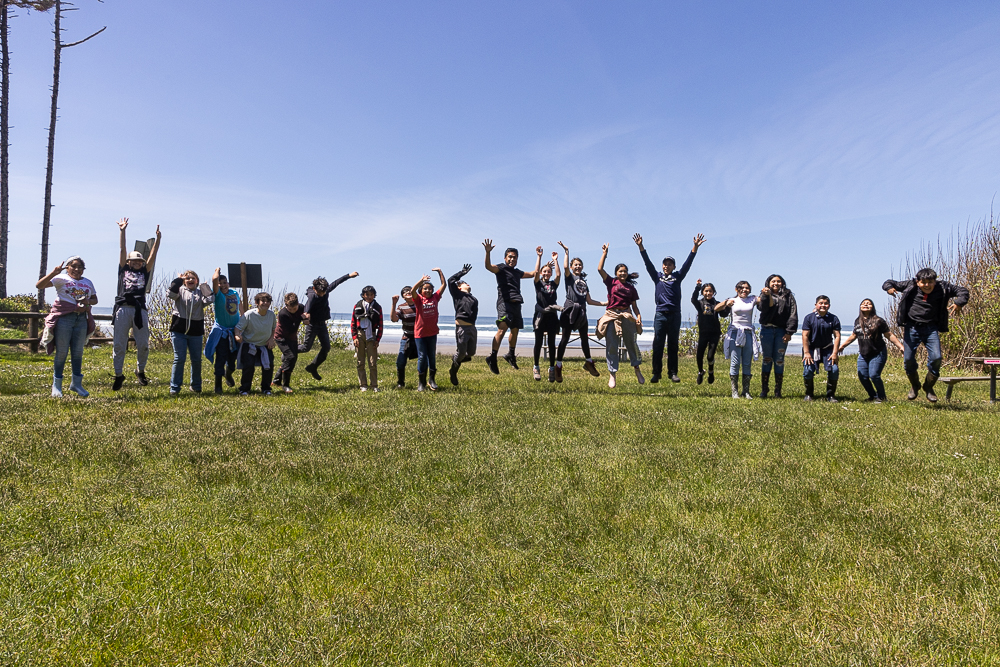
243 338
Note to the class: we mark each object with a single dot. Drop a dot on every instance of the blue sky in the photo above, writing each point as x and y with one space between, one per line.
822 141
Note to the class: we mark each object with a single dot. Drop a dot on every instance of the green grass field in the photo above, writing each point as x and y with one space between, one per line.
509 522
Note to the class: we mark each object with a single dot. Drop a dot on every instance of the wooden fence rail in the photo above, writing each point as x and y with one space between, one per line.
34 339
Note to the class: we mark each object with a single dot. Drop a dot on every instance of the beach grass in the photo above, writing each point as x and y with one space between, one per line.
506 522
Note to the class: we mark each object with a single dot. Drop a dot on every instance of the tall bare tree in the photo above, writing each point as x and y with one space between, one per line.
5 6
60 7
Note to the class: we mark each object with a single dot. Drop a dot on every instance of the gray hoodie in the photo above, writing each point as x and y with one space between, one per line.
188 316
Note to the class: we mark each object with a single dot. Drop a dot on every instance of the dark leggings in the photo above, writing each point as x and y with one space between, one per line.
567 331
289 355
539 334
709 343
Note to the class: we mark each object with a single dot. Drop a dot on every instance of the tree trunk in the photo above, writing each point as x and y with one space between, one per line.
47 213
4 141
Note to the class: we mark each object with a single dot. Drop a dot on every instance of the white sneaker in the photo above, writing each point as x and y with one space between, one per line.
287 390
364 389
374 390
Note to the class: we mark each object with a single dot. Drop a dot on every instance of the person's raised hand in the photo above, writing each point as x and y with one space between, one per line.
157 229
59 268
217 273
488 244
539 251
123 223
555 257
466 267
698 282
638 239
353 274
604 248
436 270
563 246
698 240
765 291
395 298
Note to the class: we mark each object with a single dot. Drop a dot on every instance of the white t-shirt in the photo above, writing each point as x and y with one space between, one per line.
743 312
71 290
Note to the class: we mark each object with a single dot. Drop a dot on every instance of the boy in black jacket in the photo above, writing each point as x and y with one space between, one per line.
466 312
923 315
318 309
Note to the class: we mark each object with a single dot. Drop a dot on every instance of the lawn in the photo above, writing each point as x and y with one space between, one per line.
507 522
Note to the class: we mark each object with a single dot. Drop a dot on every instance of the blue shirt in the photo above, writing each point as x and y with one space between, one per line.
227 308
820 329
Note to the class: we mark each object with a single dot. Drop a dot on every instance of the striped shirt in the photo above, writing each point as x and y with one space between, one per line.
408 318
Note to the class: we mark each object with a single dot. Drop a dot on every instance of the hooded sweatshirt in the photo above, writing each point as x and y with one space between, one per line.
188 316
466 305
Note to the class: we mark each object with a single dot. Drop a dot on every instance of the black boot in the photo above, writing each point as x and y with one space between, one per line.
711 373
765 379
831 389
453 373
929 382
218 384
421 381
914 385
809 388
746 386
400 377
734 380
433 386
778 378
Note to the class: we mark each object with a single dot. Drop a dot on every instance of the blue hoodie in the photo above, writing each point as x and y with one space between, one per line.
668 287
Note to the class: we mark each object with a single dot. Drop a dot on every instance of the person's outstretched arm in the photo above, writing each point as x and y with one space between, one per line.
488 244
600 263
555 267
538 265
565 257
342 279
650 269
155 249
960 297
697 293
215 279
393 317
415 290
850 339
123 253
725 305
895 341
698 240
892 286
454 280
443 283
46 281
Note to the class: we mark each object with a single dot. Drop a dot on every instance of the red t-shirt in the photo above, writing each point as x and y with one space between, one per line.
620 295
427 315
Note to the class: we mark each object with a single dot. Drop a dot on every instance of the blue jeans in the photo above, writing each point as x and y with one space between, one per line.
185 345
666 329
741 357
70 335
821 357
870 374
913 336
426 353
772 349
612 343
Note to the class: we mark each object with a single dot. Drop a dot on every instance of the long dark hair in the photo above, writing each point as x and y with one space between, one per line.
630 279
867 323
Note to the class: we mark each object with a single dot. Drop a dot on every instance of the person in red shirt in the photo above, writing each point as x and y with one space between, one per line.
425 329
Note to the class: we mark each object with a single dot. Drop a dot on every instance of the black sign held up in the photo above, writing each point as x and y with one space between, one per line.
254 276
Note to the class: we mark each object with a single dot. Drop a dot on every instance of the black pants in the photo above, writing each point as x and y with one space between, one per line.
313 332
289 355
666 329
567 330
707 343
546 325
249 361
225 356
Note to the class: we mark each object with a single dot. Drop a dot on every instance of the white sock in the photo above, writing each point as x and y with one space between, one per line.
590 360
558 364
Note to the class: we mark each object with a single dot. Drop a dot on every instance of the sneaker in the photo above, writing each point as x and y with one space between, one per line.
364 389
141 377
491 361
674 378
276 382
244 393
831 399
808 399
229 379
552 373
174 393
119 381
266 393
400 385
374 390
701 376
591 368
197 391
511 359
654 379
287 389
312 370
558 373
537 373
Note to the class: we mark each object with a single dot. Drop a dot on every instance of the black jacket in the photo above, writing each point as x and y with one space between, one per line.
708 319
784 314
939 296
466 305
317 306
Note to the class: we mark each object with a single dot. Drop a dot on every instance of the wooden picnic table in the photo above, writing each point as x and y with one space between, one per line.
992 362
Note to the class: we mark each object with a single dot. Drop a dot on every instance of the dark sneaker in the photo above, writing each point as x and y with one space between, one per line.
831 399
141 377
558 373
591 368
244 393
701 376
491 361
511 359
674 378
654 379
312 370
552 373
808 398
119 381
174 393
453 375
400 385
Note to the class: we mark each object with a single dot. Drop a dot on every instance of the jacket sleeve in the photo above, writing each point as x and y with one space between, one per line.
309 301
956 292
354 326
898 285
378 325
342 279
174 291
650 269
453 285
793 316
694 299
687 266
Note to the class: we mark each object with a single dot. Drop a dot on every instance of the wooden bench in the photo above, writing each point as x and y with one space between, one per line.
992 378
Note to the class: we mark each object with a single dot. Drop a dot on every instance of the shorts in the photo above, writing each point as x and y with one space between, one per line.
510 314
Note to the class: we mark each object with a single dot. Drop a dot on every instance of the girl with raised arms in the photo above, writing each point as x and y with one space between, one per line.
574 314
618 322
546 320
425 329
